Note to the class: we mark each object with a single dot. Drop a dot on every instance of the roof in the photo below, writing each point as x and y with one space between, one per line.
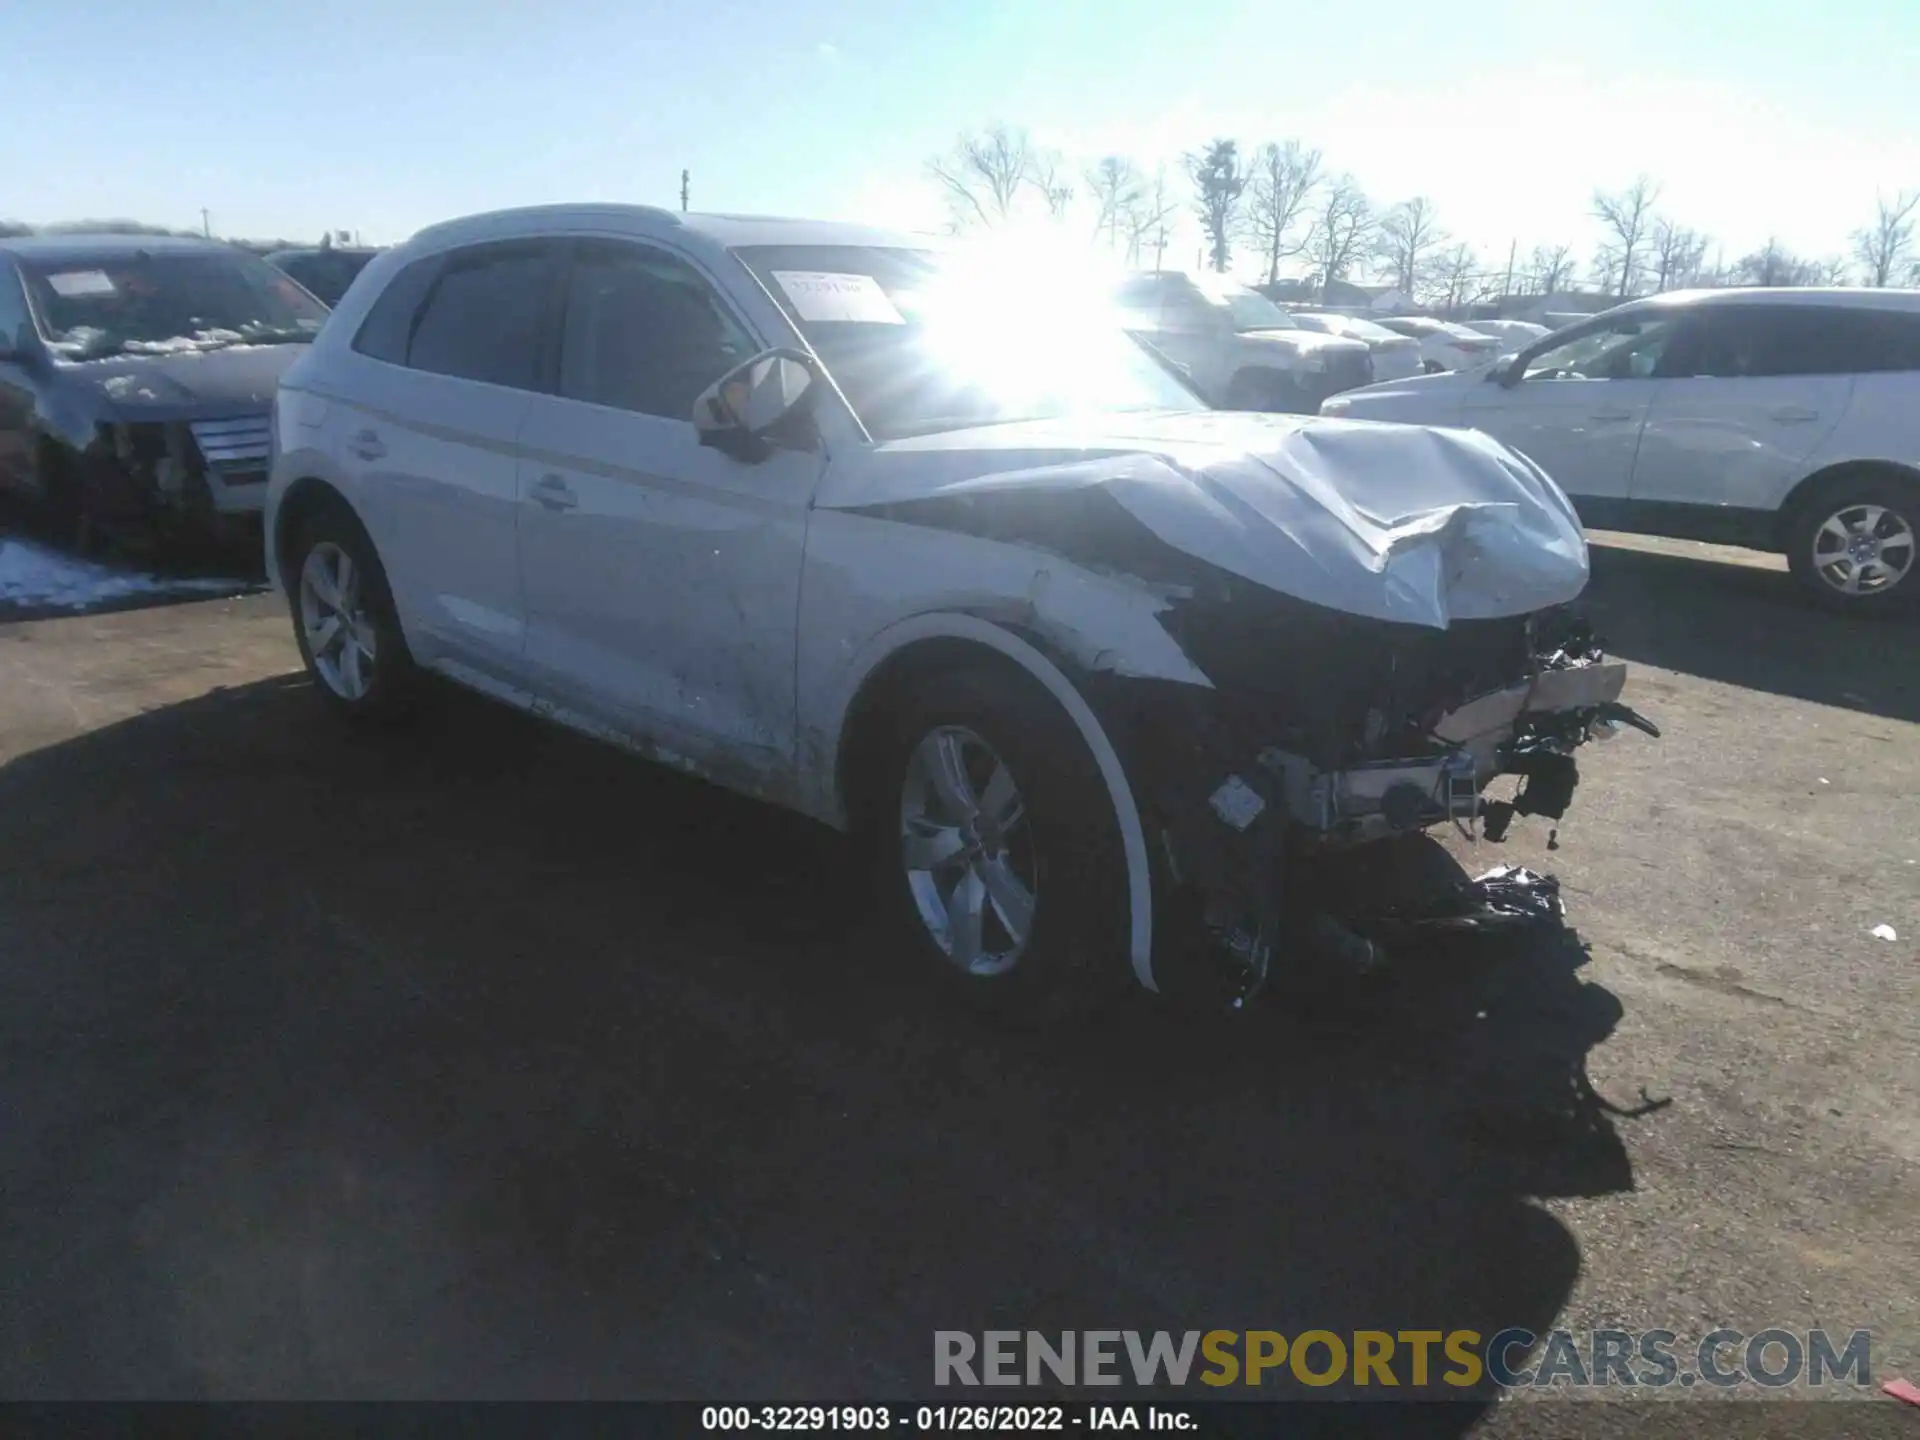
1853 296
302 251
88 246
727 231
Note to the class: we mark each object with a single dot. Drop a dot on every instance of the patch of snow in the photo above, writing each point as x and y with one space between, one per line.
1885 932
129 387
33 577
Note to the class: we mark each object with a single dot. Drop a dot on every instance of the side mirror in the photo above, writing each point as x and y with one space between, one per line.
766 401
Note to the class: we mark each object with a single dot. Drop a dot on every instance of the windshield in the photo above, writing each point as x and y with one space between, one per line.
921 341
149 303
1249 309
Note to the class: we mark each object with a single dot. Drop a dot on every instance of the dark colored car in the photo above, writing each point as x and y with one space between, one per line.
136 377
326 270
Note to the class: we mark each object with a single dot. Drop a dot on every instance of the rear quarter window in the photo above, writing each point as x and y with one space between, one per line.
388 328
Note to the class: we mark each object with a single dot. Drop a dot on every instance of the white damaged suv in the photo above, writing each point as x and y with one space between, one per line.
924 548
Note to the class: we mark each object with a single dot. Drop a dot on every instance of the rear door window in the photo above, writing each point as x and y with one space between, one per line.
1758 342
484 318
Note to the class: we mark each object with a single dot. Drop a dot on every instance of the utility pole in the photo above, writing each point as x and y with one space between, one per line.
683 189
206 223
1506 286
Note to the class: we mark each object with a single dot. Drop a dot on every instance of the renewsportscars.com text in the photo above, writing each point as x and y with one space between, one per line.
1463 1359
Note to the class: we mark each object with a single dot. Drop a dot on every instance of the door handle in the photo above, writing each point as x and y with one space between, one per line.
367 446
1793 414
554 493
1613 414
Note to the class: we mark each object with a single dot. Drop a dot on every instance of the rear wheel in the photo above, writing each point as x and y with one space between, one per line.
344 620
998 846
1852 545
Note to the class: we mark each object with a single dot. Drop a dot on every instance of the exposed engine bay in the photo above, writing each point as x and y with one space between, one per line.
1348 740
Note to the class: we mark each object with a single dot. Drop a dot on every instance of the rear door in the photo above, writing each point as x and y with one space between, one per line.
453 351
662 576
1748 395
1578 409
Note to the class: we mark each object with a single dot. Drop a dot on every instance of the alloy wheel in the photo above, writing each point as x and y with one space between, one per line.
1863 549
966 848
333 618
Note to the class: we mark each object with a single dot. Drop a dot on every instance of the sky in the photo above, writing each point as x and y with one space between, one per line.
1757 119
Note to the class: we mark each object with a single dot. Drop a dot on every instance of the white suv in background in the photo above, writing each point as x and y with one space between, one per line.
1785 420
1443 344
918 543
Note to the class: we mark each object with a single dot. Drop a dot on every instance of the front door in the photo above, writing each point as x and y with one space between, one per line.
1579 406
662 577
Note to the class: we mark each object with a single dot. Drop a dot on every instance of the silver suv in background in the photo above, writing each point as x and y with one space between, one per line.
1239 349
1787 420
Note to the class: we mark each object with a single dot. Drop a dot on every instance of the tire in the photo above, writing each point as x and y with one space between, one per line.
1880 515
363 670
1062 850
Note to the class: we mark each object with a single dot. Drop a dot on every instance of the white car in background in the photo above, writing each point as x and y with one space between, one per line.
1239 349
1787 420
1513 335
1395 357
914 543
1444 345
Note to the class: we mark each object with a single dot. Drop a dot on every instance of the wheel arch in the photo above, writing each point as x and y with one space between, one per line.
305 497
1825 478
927 643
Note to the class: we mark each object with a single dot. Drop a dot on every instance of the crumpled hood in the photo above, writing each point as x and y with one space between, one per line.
183 384
1395 522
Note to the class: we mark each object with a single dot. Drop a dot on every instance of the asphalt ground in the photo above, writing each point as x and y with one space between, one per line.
488 1063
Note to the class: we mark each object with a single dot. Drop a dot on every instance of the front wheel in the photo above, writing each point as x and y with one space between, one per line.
1852 547
344 620
998 844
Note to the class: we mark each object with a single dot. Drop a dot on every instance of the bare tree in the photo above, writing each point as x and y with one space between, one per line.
1146 219
1549 268
1409 237
1628 216
983 175
1677 253
1046 174
1343 225
1774 264
1116 188
1883 246
1219 181
1833 270
1458 278
1284 177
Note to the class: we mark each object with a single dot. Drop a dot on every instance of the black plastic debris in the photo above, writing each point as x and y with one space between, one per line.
1505 897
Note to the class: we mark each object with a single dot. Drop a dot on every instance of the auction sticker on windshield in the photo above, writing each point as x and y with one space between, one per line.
847 299
70 283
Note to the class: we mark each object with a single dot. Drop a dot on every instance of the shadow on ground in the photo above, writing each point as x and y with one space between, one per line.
487 1063
1748 626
